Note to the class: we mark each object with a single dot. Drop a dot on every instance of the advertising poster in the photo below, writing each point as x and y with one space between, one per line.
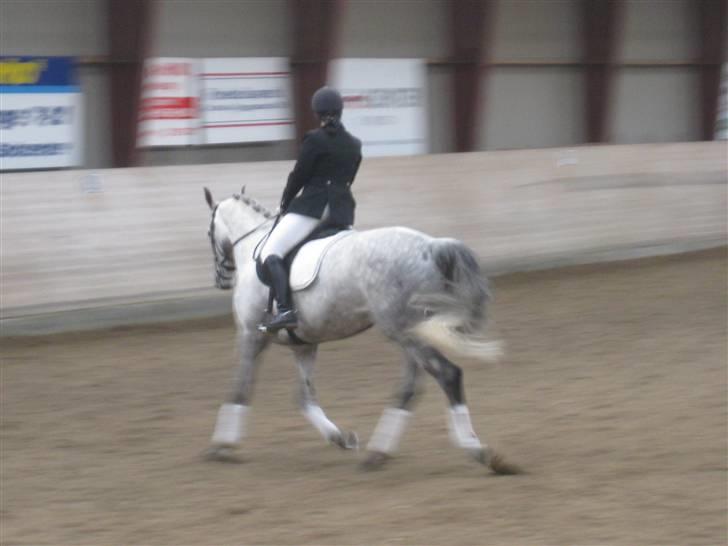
40 113
246 100
169 108
384 103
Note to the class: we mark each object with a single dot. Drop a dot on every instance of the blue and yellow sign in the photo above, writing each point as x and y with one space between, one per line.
20 73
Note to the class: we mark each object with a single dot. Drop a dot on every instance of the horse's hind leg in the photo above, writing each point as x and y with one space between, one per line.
386 437
306 360
450 378
231 418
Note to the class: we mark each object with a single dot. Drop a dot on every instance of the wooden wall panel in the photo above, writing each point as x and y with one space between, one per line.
75 239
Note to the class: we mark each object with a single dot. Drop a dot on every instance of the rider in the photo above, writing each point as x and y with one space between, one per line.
325 170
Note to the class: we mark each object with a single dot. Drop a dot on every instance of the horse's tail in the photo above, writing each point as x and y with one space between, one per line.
455 316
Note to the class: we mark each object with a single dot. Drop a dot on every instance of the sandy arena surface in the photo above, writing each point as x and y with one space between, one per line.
612 397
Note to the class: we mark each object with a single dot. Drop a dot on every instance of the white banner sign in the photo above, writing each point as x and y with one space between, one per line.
384 103
168 113
246 100
40 113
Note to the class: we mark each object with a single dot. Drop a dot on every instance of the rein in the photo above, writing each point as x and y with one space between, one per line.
264 240
256 228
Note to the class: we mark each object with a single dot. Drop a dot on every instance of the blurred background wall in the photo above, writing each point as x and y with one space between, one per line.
532 94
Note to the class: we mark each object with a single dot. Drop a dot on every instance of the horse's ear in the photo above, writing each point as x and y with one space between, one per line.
209 199
242 190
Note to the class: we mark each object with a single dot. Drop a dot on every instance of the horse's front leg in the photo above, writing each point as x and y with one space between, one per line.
391 426
306 360
231 418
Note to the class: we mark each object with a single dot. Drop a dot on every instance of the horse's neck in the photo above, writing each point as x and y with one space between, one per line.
243 250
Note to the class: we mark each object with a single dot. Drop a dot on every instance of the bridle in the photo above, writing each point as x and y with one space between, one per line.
226 264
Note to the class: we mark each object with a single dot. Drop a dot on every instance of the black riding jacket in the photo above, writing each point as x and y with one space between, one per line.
325 170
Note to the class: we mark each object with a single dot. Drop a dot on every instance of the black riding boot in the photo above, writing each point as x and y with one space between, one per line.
286 316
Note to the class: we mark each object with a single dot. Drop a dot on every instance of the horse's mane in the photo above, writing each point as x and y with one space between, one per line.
252 203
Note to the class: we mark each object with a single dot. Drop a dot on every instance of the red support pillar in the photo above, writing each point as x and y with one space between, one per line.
713 18
315 28
602 22
470 24
130 28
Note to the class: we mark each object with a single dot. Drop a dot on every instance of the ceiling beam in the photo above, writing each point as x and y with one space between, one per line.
713 19
315 30
470 37
130 29
601 32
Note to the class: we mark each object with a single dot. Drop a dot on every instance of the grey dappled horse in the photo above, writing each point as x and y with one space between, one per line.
424 294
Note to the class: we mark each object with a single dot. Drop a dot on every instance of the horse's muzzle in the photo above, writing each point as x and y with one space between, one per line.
223 282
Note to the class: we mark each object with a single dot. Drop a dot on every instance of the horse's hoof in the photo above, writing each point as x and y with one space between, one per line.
374 460
483 455
499 465
347 440
221 454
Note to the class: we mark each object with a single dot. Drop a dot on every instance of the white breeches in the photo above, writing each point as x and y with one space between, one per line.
291 230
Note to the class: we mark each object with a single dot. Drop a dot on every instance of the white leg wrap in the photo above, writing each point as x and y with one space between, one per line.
461 429
389 430
230 426
318 419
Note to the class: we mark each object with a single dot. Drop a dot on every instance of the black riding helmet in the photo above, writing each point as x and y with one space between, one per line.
327 101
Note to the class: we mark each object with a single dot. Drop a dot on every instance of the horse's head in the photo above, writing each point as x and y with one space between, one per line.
221 242
233 220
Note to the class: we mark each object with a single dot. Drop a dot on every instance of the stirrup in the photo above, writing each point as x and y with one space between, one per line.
285 319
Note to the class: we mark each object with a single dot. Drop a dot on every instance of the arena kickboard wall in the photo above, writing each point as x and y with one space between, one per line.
79 239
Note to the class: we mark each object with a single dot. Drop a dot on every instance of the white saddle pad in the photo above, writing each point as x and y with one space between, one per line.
306 264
